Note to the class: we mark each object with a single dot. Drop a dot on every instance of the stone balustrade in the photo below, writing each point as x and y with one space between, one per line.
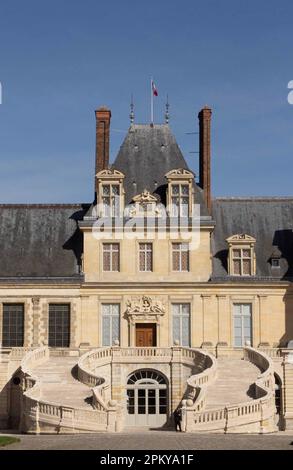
251 416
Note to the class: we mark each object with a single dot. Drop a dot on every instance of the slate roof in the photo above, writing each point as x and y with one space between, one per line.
145 156
40 240
269 220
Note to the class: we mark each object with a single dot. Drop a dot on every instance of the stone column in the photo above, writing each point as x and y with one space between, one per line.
36 321
262 320
288 390
176 378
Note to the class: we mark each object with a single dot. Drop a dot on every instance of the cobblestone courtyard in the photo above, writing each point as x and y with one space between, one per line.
153 440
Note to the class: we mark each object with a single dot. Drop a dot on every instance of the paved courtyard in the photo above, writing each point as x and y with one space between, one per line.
153 440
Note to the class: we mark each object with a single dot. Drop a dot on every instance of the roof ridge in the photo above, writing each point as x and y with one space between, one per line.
44 205
253 198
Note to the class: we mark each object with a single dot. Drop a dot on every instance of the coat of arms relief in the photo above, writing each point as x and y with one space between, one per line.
144 308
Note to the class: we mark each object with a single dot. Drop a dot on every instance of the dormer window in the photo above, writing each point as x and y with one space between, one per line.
275 262
110 194
241 255
179 196
179 200
111 200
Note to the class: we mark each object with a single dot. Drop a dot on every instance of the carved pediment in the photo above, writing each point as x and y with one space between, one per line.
145 197
110 173
179 173
144 308
241 238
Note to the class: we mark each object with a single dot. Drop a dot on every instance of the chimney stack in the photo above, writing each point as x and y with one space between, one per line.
204 117
103 117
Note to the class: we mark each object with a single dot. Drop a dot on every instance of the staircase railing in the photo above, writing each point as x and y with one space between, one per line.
257 415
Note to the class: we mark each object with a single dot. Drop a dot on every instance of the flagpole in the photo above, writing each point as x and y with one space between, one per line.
152 102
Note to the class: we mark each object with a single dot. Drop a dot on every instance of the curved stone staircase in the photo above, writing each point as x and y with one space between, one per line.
224 395
59 384
234 383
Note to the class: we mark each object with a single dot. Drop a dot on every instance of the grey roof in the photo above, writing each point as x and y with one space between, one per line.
40 240
269 220
146 155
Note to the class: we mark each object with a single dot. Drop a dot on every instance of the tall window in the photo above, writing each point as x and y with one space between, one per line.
13 325
241 261
179 200
111 200
59 325
242 324
111 257
110 324
145 257
181 324
180 257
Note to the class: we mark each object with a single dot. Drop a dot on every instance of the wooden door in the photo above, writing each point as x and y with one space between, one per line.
145 334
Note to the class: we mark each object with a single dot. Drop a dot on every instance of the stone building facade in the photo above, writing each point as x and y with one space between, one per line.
153 262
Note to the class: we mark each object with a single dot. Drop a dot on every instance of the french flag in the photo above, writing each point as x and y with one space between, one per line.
155 91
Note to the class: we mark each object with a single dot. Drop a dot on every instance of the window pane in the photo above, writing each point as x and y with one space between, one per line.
115 329
246 266
236 253
175 189
106 260
106 331
13 325
115 261
185 189
184 261
185 331
176 261
59 325
237 267
176 329
246 253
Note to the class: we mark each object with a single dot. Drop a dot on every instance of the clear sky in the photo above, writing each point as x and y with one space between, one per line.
61 59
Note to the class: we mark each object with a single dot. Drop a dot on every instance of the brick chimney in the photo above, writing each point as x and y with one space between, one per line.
103 117
204 117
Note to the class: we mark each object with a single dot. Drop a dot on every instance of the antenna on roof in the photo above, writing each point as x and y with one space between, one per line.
167 116
131 115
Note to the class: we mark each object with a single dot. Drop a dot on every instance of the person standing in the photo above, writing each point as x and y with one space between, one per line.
177 419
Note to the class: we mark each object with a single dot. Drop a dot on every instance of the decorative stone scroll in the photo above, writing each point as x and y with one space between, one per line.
144 308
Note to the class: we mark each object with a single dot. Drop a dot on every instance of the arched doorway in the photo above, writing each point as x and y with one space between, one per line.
147 399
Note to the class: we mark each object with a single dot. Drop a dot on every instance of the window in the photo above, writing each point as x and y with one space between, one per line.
241 262
13 325
179 200
110 324
111 200
181 324
180 257
59 325
242 325
275 262
111 257
145 257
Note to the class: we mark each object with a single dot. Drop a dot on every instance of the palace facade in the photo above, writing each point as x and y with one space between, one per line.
154 296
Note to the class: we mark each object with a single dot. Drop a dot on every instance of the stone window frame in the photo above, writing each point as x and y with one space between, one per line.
110 177
145 242
28 318
179 242
101 304
178 301
181 177
104 243
241 242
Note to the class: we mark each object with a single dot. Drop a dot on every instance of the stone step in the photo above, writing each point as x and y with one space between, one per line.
234 383
59 384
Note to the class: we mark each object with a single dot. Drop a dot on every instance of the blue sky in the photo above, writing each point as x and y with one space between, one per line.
60 60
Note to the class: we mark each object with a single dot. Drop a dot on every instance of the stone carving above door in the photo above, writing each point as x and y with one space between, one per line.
144 309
